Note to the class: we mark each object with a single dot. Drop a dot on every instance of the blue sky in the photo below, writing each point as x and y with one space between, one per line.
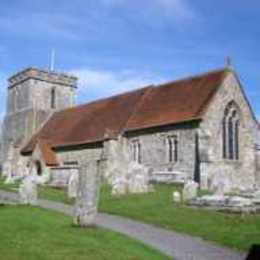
117 45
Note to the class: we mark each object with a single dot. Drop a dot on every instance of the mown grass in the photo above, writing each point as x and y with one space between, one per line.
55 194
44 192
29 233
8 187
157 208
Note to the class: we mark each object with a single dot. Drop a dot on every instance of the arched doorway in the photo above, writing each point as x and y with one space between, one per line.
38 168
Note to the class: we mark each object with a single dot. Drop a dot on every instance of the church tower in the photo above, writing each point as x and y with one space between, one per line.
33 95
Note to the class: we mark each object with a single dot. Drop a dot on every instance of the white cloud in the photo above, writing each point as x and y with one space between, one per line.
95 84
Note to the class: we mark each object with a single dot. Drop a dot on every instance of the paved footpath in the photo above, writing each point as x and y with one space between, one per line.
180 246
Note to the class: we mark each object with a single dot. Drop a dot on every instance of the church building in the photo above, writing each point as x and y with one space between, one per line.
200 128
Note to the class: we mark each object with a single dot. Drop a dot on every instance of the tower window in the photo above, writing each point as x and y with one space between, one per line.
53 98
230 132
15 99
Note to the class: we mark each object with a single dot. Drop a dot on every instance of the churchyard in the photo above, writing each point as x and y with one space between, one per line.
237 231
29 233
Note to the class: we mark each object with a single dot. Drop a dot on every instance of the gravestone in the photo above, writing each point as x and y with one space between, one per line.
86 204
73 185
138 178
7 169
190 190
135 179
28 190
119 186
176 196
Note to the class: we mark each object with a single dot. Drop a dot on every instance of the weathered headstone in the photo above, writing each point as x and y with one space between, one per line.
236 201
176 197
138 178
85 209
7 169
19 168
73 185
221 183
119 185
190 190
28 190
134 179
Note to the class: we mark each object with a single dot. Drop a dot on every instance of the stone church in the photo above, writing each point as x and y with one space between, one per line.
201 128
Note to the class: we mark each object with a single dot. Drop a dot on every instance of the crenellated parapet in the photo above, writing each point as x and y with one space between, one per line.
42 75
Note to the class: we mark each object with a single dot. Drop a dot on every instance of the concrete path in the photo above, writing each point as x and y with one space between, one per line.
180 246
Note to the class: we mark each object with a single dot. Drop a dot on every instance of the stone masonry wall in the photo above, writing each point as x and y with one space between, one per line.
83 155
154 152
241 173
258 166
71 160
41 95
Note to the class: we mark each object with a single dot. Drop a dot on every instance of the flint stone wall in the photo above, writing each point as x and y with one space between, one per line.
258 165
29 103
72 160
86 154
154 149
241 173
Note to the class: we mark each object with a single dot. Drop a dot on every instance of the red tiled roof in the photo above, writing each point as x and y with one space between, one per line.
92 122
48 154
177 101
170 103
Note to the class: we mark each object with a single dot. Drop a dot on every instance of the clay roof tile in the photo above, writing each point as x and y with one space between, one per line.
170 103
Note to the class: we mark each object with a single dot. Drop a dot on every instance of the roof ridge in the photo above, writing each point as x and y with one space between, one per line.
143 88
195 76
205 105
102 99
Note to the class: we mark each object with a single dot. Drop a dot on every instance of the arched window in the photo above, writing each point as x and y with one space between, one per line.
38 168
136 151
53 98
230 132
172 147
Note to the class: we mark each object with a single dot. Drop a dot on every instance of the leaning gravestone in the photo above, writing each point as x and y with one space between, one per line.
85 209
28 190
190 190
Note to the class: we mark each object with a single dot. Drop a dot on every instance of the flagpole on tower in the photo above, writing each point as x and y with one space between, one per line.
52 65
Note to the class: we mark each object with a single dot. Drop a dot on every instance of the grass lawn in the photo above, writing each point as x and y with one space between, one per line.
54 194
157 208
8 187
231 230
44 192
29 233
